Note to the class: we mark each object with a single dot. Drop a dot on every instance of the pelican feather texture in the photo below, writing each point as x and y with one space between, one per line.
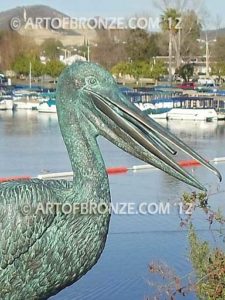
41 254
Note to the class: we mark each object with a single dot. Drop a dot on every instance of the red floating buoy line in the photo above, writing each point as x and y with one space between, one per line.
112 170
13 178
117 170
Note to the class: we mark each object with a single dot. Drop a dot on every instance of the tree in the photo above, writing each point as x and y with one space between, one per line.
147 69
122 68
136 69
170 22
54 68
185 30
141 45
115 46
51 48
190 33
218 69
22 65
109 49
186 71
157 69
38 68
218 49
13 45
140 69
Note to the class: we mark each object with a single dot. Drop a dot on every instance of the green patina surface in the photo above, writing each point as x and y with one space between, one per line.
42 253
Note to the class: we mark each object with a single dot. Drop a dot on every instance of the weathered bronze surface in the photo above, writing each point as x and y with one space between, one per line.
42 253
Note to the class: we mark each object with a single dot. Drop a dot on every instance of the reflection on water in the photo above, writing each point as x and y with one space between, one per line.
192 129
25 123
206 137
31 142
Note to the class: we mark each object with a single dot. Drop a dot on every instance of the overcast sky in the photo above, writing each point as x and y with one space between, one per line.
213 10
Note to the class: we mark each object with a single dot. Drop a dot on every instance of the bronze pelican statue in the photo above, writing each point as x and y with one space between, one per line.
40 254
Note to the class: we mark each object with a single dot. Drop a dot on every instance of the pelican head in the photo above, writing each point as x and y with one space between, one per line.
91 97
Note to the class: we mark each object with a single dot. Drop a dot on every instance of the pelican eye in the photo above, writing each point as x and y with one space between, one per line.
91 81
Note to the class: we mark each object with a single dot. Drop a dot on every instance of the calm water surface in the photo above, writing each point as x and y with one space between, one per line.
31 144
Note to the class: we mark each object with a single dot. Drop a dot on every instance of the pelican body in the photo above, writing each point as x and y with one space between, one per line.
41 254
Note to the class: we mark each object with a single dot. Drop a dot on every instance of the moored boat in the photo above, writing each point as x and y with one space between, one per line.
6 104
182 108
221 115
48 106
193 114
30 104
24 99
6 101
48 103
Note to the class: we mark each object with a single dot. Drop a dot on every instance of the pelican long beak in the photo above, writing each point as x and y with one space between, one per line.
144 138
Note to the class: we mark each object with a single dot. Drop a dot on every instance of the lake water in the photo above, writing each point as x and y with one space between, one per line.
31 144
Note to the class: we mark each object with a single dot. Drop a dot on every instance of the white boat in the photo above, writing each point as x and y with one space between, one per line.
26 104
181 108
144 106
25 99
192 114
21 93
6 104
47 106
